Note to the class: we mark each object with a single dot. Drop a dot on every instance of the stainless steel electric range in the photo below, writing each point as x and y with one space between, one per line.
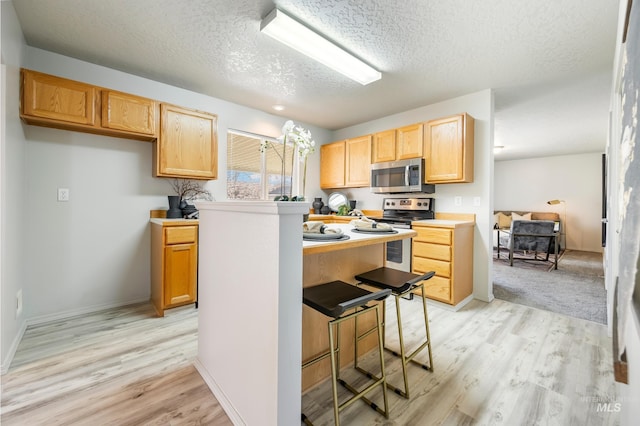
399 213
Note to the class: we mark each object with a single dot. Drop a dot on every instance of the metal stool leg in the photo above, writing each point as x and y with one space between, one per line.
334 355
335 371
402 354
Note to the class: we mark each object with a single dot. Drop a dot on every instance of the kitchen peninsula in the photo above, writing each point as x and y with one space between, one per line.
253 265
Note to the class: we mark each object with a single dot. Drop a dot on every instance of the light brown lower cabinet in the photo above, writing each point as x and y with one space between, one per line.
447 249
174 263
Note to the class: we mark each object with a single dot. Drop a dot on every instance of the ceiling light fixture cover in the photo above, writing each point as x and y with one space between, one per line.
292 33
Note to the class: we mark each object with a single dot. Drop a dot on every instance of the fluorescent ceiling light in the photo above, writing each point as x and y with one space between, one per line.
288 31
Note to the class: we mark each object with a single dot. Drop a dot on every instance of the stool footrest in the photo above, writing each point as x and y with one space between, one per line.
360 395
413 354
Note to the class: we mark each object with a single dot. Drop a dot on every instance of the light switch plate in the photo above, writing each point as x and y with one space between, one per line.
457 201
63 194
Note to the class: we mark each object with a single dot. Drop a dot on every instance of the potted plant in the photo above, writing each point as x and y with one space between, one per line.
301 140
186 189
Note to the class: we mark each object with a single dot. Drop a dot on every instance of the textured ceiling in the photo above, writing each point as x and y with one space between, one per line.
549 61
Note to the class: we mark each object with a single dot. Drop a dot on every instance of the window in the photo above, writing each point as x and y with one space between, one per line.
256 175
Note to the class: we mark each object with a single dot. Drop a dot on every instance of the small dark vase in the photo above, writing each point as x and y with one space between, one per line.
325 210
174 211
317 205
352 204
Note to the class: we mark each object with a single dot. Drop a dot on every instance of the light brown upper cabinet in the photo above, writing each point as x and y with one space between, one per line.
449 149
57 102
358 162
49 99
332 161
346 164
384 146
130 113
398 144
409 141
187 146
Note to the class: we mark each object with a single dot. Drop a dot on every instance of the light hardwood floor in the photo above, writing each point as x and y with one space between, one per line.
496 363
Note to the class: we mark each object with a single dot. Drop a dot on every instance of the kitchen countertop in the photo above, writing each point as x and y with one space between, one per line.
443 223
355 239
173 222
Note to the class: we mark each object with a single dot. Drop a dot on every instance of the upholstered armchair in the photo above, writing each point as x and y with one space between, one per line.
537 236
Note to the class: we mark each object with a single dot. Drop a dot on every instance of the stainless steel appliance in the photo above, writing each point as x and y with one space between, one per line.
399 213
402 176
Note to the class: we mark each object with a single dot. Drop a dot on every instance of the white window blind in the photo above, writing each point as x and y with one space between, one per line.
252 174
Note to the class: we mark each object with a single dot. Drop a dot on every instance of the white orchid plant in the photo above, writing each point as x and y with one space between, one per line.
301 140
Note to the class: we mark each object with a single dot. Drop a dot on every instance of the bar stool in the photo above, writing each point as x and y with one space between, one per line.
333 300
401 283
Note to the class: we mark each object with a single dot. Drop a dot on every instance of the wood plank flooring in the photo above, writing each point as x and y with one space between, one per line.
496 363
119 367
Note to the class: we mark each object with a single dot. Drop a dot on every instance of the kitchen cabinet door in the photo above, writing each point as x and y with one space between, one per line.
129 113
358 161
187 146
180 274
332 165
449 149
384 146
47 99
410 141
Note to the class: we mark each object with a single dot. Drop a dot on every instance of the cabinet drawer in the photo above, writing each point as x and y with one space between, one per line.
443 269
433 235
433 251
181 234
438 288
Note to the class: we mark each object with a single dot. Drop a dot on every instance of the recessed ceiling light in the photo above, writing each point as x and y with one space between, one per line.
278 107
296 35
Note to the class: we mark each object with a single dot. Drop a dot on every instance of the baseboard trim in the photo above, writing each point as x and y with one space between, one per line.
452 308
222 398
82 311
4 368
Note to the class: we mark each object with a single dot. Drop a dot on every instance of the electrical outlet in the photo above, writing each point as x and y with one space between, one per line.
476 201
18 303
457 201
63 194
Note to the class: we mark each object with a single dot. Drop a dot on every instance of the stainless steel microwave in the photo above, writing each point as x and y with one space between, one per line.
402 176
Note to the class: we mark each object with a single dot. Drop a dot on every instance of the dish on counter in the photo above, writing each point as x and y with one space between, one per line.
324 237
375 230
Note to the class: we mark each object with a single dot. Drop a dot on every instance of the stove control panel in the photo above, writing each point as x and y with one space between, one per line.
407 204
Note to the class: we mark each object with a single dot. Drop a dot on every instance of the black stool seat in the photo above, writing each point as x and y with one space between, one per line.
335 298
397 281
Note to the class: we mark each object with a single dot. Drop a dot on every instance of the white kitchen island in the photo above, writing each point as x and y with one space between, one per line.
253 265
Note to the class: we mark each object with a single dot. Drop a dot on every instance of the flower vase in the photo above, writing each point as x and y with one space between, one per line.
317 205
174 211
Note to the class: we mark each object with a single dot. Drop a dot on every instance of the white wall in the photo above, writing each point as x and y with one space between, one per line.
480 106
98 242
92 252
12 186
527 185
